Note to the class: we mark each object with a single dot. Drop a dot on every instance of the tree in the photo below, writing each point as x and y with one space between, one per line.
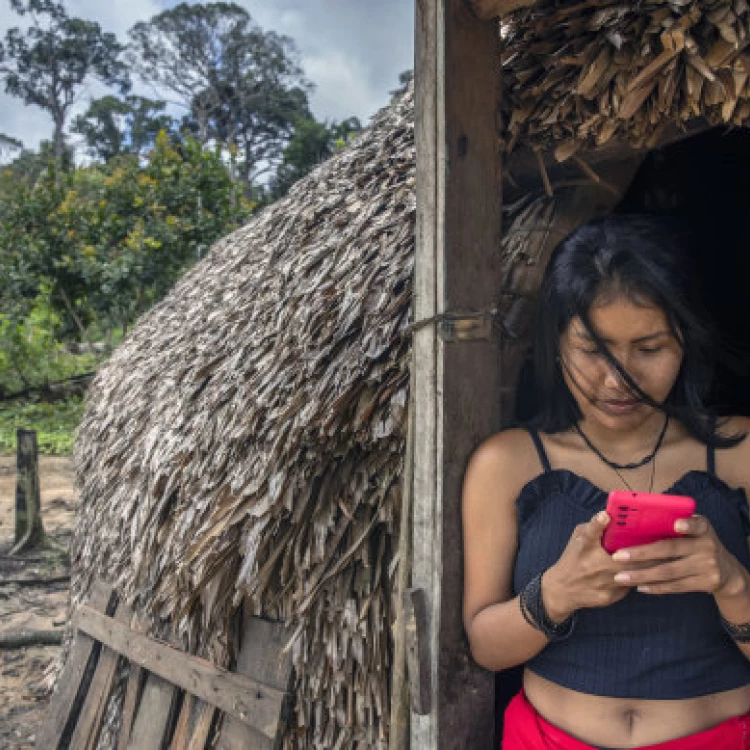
103 127
242 87
113 126
47 65
404 80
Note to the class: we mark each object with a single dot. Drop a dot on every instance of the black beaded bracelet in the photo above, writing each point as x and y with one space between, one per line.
533 611
739 632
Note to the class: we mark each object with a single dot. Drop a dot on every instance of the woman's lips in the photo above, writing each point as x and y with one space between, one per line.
620 406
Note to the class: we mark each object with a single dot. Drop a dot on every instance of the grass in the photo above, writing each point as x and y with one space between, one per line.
55 424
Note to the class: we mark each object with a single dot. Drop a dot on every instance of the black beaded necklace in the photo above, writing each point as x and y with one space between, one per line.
625 467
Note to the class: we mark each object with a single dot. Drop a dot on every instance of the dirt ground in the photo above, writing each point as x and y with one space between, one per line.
31 607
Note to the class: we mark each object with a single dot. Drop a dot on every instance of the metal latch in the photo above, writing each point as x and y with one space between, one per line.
467 326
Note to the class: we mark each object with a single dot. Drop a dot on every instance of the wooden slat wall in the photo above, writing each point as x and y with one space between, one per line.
73 683
457 384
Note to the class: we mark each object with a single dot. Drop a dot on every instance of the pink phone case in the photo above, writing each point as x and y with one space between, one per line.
641 518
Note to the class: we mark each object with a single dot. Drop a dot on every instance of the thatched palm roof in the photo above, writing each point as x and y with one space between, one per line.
584 73
247 437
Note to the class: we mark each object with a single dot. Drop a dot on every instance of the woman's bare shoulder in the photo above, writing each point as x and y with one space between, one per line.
733 464
505 461
733 425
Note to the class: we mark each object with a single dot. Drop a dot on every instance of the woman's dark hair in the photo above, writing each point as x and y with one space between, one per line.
644 259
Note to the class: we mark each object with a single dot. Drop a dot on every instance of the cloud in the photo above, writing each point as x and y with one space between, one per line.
353 51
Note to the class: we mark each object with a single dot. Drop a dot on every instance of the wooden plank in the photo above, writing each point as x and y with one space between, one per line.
72 684
154 712
89 724
247 700
429 145
261 659
459 202
194 725
418 658
132 694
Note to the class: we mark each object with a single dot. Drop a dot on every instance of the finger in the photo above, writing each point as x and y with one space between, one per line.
664 573
680 586
594 529
694 526
662 550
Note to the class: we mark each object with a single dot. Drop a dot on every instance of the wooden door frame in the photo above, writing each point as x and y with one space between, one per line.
457 383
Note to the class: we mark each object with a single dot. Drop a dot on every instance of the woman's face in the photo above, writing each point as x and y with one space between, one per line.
639 337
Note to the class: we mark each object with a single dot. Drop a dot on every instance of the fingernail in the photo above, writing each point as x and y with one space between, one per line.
644 589
681 526
622 578
621 555
602 516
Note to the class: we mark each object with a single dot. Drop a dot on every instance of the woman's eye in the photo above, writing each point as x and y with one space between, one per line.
650 350
592 352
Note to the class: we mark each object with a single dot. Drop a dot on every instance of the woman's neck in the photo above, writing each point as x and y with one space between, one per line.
627 444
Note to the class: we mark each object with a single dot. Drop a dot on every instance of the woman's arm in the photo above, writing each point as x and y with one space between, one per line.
498 634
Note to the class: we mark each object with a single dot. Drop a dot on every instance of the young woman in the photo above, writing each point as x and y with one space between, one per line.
650 646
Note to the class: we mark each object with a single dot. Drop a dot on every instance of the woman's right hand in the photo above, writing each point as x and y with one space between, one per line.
584 575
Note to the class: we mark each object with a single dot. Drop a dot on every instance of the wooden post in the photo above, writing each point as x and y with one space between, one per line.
457 375
29 528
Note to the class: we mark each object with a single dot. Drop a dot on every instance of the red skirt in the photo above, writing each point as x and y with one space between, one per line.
525 729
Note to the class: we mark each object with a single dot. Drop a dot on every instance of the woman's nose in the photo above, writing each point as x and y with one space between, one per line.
612 378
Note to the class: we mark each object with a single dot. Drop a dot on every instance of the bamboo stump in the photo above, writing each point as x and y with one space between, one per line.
29 528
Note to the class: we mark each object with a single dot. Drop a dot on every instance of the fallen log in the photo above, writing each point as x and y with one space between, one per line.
31 638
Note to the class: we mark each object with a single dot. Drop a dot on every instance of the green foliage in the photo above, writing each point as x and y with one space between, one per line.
31 357
106 243
55 424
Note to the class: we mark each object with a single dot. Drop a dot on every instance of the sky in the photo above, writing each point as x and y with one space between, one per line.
352 50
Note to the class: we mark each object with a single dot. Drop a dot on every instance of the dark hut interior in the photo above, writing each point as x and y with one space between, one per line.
704 182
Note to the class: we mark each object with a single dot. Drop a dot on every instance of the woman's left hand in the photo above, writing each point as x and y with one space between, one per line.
694 561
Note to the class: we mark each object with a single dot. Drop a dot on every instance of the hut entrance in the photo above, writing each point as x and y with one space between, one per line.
704 181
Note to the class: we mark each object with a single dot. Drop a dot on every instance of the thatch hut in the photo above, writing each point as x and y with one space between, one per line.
247 441
247 438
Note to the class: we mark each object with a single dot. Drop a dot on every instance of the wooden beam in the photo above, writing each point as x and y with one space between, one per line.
486 10
249 701
261 657
459 202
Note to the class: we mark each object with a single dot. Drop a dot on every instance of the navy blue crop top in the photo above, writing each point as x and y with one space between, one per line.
644 646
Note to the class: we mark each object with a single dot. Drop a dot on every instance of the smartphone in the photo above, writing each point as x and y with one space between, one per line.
641 518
